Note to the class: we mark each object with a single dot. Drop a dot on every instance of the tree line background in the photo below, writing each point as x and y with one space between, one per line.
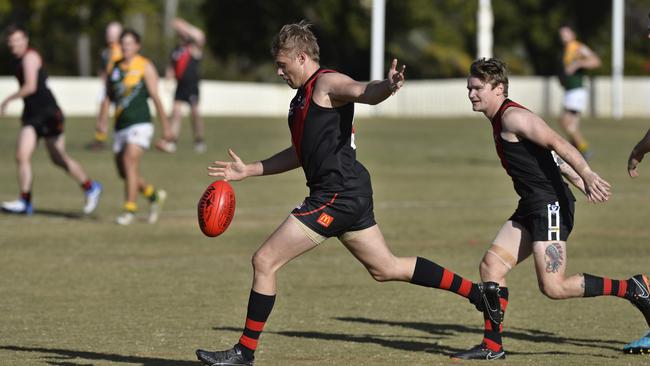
435 38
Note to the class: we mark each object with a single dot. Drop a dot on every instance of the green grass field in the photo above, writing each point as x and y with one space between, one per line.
77 291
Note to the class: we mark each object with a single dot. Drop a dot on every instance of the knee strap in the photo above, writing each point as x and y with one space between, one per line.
502 255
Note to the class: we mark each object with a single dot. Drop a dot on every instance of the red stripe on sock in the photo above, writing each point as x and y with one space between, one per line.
504 303
254 325
622 288
607 286
248 342
447 278
491 345
488 325
465 288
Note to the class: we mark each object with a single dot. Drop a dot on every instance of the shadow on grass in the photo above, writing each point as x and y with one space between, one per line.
75 215
438 332
64 357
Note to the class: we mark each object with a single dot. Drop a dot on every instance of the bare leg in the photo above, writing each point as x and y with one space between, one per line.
287 242
25 146
550 264
131 169
370 248
197 123
175 122
56 149
570 123
511 246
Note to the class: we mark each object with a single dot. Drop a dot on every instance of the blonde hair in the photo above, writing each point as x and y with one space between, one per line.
294 38
492 71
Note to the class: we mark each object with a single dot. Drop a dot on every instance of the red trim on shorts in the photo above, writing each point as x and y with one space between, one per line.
607 286
318 209
447 279
248 342
622 288
465 288
254 325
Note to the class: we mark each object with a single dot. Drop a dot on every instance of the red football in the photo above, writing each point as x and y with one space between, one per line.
216 208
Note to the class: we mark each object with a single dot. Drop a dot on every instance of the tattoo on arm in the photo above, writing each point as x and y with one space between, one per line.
554 257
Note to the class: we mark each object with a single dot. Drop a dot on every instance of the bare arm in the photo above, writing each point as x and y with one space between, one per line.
637 155
588 60
527 125
569 173
342 88
236 169
30 63
187 30
151 82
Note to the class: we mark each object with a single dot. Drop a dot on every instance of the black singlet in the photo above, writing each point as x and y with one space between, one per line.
535 175
42 99
324 141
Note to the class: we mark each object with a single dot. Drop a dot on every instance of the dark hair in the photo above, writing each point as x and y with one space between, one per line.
296 37
492 71
568 24
13 28
131 32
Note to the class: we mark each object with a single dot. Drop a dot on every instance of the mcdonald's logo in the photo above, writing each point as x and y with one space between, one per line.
325 220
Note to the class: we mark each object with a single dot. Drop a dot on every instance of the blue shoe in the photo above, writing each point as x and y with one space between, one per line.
640 346
92 197
19 206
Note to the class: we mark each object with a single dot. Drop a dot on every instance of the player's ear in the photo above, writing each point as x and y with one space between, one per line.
499 89
302 57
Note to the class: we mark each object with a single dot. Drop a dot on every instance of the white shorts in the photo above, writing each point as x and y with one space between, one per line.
575 99
138 134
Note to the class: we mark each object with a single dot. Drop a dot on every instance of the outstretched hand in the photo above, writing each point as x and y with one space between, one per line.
632 163
229 170
597 189
395 78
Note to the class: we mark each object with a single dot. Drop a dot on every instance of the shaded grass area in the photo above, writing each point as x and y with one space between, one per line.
78 290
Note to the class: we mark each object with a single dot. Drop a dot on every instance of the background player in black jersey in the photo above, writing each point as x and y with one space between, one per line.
340 200
544 217
41 118
184 66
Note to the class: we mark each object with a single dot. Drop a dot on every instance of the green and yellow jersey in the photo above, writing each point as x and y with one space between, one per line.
110 56
572 54
128 91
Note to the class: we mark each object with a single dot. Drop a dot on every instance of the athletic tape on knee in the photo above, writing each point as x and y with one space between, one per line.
502 255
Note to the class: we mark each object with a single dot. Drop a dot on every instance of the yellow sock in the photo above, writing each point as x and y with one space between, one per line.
583 147
148 191
101 136
130 206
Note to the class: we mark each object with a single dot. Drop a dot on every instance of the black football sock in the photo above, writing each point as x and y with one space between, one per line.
259 309
430 274
602 286
492 333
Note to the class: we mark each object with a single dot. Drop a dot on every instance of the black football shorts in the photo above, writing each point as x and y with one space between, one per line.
547 223
332 215
47 122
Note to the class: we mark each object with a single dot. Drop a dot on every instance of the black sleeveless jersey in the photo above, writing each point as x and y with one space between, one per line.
42 98
324 141
186 66
535 174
